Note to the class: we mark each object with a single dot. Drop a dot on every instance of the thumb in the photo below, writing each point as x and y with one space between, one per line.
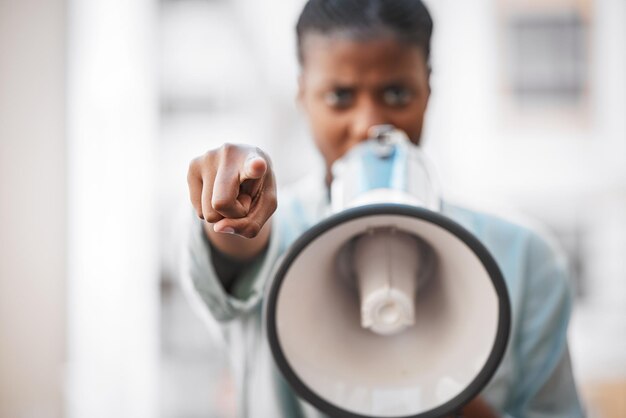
253 168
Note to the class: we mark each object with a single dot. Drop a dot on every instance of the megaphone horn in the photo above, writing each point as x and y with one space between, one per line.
387 309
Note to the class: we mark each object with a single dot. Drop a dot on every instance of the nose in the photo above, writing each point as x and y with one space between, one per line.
367 115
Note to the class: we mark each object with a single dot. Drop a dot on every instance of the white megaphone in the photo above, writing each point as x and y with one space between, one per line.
387 308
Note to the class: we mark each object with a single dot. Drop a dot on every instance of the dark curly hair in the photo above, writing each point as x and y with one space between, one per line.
407 20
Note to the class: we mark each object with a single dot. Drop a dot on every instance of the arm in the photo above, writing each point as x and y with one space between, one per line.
232 190
544 383
478 408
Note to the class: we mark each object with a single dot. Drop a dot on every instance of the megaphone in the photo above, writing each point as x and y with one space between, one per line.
387 308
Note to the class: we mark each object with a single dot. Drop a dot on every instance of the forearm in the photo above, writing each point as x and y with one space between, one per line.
238 247
478 408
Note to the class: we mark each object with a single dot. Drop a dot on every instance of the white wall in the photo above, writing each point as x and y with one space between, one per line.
113 268
32 208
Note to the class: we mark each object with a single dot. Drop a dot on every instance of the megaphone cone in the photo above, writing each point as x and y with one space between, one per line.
387 310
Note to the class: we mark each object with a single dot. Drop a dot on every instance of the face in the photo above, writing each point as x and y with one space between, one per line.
347 86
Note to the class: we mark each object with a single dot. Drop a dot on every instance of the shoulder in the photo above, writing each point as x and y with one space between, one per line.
510 234
530 259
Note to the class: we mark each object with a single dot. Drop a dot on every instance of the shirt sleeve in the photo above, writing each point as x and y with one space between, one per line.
224 301
545 385
229 269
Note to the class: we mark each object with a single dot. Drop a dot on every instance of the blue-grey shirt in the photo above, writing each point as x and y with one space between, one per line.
534 379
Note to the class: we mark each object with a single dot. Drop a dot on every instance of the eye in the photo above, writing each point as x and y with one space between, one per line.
339 98
397 96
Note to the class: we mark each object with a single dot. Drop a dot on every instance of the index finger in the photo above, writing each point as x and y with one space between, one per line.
225 192
253 168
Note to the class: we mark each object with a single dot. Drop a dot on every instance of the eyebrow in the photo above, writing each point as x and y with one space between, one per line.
398 82
337 86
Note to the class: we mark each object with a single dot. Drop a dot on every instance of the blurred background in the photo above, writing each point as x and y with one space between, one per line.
103 104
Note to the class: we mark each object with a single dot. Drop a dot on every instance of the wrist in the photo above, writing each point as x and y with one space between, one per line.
238 247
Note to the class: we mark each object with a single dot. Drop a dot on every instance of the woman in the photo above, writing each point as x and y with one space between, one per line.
363 63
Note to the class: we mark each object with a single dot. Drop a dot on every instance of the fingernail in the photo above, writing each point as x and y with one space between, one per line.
252 156
227 230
